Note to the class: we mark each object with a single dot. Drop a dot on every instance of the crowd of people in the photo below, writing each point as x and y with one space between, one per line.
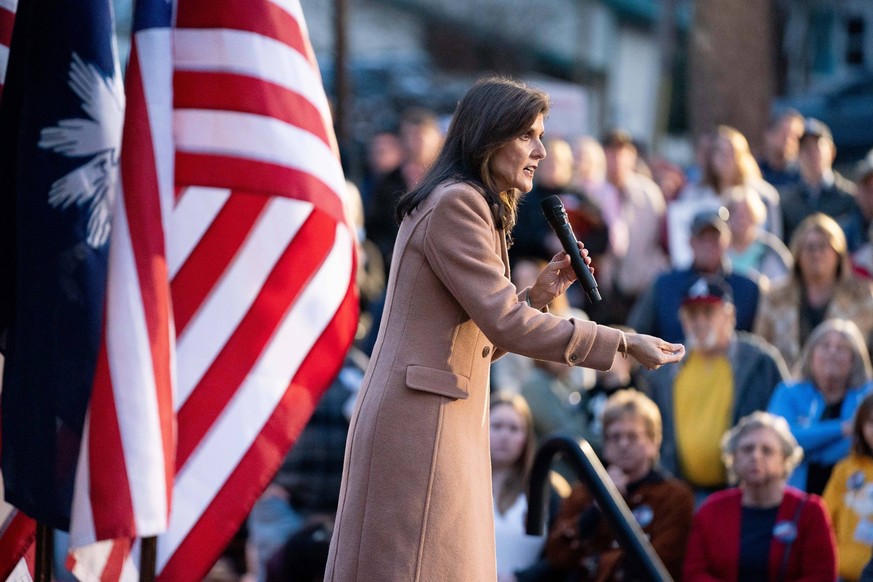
752 458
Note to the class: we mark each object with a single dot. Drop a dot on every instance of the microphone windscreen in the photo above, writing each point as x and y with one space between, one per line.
553 208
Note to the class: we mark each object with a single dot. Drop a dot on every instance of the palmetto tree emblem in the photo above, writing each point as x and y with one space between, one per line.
99 137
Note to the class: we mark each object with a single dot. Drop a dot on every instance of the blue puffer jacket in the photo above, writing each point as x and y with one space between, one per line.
823 441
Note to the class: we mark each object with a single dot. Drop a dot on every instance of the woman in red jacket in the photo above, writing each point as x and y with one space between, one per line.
762 529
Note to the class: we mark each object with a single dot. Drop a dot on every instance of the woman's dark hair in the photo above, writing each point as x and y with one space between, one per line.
495 111
862 415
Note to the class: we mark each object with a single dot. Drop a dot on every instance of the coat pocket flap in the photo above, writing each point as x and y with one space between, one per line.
436 381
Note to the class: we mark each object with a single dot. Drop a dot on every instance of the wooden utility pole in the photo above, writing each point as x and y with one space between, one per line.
667 47
340 71
44 552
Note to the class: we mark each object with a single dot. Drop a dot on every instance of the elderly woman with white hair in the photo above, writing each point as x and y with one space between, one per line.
762 529
834 377
754 250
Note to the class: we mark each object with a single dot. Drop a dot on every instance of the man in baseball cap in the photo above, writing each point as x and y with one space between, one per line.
725 375
820 188
656 312
712 219
707 291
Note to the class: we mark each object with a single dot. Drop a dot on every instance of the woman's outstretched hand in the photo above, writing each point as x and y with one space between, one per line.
555 278
653 352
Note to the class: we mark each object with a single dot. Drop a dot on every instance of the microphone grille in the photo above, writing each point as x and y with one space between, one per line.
552 206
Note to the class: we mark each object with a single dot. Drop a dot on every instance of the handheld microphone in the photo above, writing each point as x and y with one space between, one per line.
553 208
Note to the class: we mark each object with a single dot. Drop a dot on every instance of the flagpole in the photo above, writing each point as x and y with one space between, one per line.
341 78
148 558
44 550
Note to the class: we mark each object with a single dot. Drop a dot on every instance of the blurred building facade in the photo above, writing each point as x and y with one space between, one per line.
826 67
658 68
654 67
732 68
824 42
602 55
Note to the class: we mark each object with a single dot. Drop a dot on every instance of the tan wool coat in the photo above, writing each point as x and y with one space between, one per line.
415 502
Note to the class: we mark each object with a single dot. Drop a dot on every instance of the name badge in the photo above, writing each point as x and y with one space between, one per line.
785 531
864 532
644 515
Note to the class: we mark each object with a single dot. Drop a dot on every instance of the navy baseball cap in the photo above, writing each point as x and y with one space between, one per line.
716 219
708 290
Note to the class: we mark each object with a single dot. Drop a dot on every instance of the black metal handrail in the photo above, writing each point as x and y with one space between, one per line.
590 470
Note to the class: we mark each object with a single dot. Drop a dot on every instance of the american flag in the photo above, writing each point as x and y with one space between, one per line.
7 18
17 536
60 126
231 299
17 531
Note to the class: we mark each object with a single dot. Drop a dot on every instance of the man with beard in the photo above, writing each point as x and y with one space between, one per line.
725 375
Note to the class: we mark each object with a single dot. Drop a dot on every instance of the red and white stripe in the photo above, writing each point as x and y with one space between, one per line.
17 542
7 19
126 463
17 531
231 300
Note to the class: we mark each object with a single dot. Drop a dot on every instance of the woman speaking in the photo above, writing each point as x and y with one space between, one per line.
415 502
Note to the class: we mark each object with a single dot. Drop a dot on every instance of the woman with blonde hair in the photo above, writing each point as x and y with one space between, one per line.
731 163
821 286
513 445
762 529
728 162
834 375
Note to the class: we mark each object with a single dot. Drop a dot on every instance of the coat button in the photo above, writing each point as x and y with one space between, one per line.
573 357
485 351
